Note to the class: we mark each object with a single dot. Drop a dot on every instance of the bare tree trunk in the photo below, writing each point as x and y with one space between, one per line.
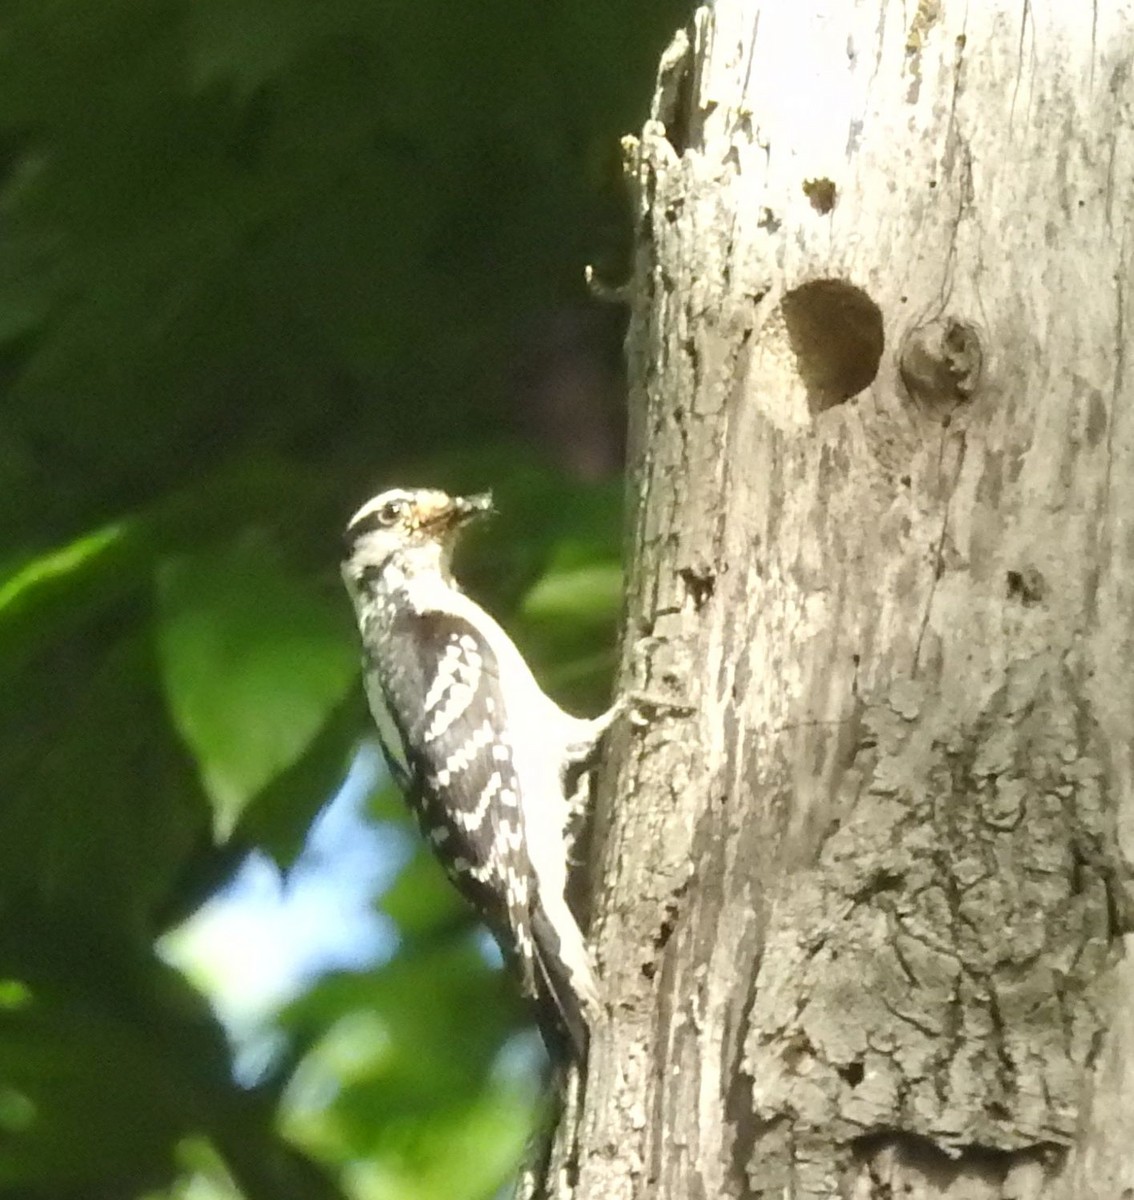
864 888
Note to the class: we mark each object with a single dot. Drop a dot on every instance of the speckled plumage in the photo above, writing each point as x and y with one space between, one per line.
477 747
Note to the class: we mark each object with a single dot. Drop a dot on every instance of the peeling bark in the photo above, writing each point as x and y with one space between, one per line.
864 878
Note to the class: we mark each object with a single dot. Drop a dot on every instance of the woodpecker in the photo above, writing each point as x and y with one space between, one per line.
482 755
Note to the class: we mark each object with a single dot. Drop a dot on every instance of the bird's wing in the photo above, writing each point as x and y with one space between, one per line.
444 697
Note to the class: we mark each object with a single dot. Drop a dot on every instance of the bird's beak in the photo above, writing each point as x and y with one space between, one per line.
445 514
468 508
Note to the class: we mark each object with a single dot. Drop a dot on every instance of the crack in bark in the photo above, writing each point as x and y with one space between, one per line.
939 560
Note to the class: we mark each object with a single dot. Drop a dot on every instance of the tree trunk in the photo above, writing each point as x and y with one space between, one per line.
863 878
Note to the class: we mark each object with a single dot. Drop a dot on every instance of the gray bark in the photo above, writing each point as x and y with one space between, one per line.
863 880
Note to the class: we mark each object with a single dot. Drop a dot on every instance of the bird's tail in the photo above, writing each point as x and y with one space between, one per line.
565 984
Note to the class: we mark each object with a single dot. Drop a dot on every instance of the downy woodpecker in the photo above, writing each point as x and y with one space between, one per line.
480 752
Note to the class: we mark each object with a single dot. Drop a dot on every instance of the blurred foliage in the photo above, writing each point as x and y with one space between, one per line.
258 257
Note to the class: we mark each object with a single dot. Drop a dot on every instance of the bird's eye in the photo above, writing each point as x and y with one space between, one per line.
391 511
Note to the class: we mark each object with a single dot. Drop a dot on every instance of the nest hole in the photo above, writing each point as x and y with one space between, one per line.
835 332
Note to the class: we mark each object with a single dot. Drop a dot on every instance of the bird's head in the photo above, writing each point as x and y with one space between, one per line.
414 528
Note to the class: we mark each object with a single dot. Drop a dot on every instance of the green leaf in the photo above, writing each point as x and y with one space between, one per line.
568 625
102 810
254 663
279 821
104 1062
49 594
419 1034
590 593
403 1077
108 1062
20 587
69 1118
40 593
465 1152
421 900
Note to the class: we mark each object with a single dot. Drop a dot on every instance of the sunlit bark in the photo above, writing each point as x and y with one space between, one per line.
862 881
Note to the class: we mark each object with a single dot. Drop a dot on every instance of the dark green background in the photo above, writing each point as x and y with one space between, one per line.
256 260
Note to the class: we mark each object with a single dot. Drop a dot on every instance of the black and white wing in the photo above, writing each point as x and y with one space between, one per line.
442 692
390 736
